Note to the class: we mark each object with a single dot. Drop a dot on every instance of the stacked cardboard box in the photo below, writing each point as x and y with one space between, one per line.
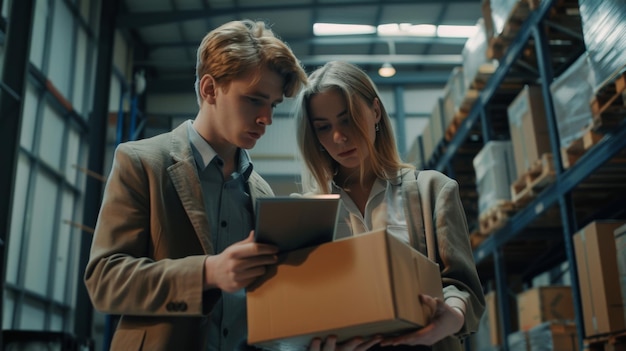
598 277
544 304
551 336
604 30
495 172
572 92
529 129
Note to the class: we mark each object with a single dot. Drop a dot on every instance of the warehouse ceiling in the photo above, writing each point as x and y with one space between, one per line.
166 33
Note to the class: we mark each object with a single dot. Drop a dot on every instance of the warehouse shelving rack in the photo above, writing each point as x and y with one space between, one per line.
593 174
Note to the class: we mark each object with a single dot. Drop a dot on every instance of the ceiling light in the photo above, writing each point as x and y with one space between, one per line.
386 70
456 31
342 29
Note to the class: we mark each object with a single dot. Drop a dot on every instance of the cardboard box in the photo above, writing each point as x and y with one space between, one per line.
529 128
543 304
494 166
492 311
598 277
358 286
552 336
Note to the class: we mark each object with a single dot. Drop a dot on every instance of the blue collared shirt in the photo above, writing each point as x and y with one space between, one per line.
229 210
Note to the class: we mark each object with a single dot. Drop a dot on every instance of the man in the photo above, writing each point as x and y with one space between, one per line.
173 245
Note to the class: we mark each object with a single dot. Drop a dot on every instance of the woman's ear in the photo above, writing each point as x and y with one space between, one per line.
377 109
208 88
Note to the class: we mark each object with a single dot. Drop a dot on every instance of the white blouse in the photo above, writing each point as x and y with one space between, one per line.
384 210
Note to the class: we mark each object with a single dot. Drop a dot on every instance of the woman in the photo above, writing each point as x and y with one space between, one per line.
348 148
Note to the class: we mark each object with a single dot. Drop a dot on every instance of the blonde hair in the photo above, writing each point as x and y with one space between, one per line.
354 85
235 47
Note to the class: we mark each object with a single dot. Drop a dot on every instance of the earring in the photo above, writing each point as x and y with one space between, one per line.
377 127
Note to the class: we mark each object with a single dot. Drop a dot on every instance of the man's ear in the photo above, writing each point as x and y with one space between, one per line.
208 88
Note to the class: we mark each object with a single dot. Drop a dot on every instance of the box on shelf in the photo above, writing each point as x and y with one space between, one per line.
620 249
414 155
454 94
358 286
572 92
493 317
428 141
518 341
552 336
598 277
495 172
436 122
529 129
543 304
607 48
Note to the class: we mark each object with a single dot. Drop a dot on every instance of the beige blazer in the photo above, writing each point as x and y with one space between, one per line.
150 242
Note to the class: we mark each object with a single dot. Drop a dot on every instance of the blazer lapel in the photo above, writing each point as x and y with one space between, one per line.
185 178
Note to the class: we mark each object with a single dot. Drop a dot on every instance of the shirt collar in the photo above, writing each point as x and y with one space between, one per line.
203 153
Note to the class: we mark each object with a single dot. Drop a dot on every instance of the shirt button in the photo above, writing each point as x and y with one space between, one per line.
224 224
225 332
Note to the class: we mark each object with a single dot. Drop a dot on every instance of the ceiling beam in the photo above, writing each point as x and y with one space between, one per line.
185 85
339 40
316 60
143 19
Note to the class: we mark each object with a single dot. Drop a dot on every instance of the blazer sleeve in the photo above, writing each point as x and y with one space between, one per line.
459 276
124 275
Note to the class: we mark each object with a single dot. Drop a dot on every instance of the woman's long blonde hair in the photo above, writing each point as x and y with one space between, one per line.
354 85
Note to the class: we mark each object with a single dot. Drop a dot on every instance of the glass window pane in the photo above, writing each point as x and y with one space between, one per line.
33 315
38 40
63 258
29 116
73 153
80 87
7 309
56 320
6 5
17 218
41 232
62 48
52 131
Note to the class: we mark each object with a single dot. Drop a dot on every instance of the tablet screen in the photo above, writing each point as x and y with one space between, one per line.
295 222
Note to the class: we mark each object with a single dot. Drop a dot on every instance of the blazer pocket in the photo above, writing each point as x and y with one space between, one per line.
128 340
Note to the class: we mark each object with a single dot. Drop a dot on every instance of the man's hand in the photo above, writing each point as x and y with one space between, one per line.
239 265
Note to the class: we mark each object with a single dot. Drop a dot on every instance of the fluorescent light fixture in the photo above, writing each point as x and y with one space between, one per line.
456 31
342 29
388 29
396 29
387 70
421 30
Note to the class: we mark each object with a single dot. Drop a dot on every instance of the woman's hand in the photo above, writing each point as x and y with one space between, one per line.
444 321
354 344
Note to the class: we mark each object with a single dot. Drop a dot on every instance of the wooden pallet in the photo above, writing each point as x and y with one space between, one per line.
482 76
608 105
577 148
496 216
537 177
610 342
476 238
499 42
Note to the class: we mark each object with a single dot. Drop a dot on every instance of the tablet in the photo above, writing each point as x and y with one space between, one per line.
292 223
